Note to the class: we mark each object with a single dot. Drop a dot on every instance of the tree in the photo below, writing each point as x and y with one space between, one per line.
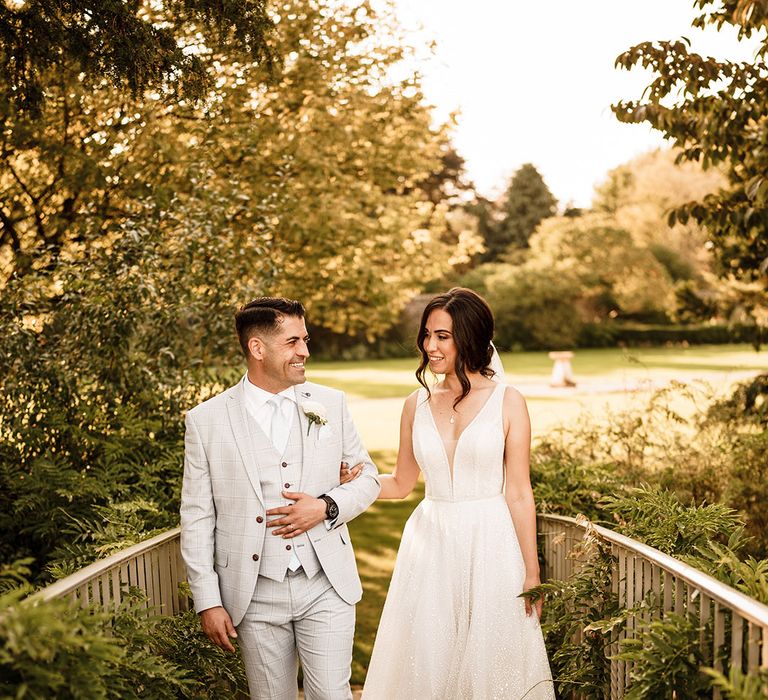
526 204
535 308
133 44
68 173
639 195
326 181
342 155
577 271
615 276
140 222
716 113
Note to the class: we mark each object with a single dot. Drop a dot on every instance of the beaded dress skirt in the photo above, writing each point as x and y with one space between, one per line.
452 625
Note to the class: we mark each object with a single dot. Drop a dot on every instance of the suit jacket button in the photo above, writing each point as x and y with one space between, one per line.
259 519
284 464
287 546
255 557
287 486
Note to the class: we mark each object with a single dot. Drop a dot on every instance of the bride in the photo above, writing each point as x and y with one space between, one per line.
453 625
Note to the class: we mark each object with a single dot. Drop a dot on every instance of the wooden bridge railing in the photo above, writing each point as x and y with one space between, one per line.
739 623
154 566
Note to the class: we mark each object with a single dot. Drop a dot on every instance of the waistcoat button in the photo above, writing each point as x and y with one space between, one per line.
255 557
259 519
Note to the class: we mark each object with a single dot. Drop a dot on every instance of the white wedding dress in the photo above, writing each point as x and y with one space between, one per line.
453 626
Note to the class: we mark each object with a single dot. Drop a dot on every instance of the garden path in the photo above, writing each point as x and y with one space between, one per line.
378 420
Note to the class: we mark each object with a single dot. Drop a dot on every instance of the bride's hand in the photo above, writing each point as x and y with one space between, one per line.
346 474
533 603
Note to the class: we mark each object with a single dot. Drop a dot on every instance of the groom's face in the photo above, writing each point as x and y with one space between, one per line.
285 352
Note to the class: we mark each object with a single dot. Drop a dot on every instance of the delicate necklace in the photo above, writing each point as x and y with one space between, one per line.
452 419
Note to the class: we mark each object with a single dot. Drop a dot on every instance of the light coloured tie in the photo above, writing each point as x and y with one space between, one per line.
278 427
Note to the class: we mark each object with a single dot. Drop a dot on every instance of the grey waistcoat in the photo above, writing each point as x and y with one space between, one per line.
275 478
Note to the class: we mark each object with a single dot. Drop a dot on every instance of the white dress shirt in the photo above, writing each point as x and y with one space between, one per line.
256 400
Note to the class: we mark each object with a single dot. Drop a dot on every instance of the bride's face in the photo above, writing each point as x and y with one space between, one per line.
438 342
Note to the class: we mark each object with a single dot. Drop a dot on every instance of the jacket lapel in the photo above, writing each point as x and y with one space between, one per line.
238 419
304 392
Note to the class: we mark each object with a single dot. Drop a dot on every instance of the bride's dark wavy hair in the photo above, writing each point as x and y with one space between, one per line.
472 334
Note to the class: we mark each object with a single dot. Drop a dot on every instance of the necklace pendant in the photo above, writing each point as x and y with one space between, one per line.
453 418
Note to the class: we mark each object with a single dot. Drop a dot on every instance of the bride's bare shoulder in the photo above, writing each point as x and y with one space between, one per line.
514 401
413 396
411 401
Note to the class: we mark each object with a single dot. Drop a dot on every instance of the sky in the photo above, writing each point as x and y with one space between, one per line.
534 82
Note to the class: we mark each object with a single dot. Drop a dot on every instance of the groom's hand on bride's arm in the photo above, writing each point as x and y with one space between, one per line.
218 627
303 515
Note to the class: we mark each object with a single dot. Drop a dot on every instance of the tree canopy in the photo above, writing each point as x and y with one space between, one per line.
639 195
133 44
325 180
716 113
526 203
614 274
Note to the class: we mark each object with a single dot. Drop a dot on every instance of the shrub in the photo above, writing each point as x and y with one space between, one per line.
111 528
533 307
566 485
97 369
740 686
632 334
574 627
715 456
658 519
742 422
665 656
215 673
690 486
725 562
582 615
747 405
746 488
53 650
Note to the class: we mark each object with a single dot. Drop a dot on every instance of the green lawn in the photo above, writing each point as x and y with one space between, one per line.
376 389
607 381
395 378
376 537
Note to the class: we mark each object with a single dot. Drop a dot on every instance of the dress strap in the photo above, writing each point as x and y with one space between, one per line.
498 398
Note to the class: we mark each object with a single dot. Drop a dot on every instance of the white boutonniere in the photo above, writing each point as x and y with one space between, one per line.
315 413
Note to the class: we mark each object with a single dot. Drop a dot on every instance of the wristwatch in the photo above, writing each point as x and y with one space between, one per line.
331 509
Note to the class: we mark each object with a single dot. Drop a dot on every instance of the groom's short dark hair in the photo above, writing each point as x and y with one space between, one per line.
263 314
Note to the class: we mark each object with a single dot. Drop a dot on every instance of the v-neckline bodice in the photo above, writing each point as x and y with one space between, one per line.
450 462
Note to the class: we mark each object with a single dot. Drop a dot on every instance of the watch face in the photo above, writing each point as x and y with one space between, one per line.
332 510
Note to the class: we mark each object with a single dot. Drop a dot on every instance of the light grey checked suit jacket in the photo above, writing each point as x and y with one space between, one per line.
222 500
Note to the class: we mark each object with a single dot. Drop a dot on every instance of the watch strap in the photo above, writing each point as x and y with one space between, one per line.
331 508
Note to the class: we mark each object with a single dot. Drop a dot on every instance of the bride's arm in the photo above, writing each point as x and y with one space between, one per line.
401 481
517 487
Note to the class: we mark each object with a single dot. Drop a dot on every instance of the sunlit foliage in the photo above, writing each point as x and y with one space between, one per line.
716 112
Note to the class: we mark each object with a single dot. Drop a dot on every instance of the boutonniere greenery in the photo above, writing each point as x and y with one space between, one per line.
315 413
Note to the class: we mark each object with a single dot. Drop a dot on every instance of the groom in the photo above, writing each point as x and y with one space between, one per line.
264 517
